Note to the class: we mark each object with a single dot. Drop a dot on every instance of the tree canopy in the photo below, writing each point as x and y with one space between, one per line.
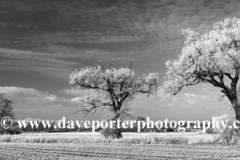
113 88
5 107
212 58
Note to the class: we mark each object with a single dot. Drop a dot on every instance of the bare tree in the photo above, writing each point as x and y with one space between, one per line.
213 58
113 87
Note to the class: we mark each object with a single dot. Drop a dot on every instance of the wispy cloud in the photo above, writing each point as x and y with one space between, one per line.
79 33
188 105
29 102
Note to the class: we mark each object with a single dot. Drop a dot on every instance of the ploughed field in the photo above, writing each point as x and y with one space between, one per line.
81 146
67 151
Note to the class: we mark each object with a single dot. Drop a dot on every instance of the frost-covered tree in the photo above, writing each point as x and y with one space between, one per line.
113 87
5 107
212 58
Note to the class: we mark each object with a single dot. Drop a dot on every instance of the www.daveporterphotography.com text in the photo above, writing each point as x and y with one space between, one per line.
139 124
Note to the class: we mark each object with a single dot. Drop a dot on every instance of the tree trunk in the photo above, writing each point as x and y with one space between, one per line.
236 107
117 131
117 108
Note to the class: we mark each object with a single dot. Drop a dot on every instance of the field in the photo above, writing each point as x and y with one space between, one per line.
67 146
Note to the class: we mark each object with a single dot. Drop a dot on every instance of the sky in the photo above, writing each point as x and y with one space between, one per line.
43 42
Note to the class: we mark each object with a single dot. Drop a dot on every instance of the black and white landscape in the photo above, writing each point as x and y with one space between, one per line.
65 62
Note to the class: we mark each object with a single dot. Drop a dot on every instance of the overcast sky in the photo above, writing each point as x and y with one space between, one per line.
42 42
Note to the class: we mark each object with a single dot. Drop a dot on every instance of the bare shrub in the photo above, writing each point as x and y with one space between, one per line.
210 131
176 140
188 130
111 133
230 135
